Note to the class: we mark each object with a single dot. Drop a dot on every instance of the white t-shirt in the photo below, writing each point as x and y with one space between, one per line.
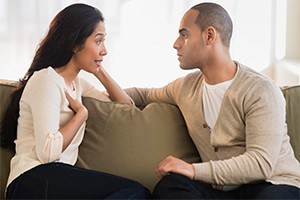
43 110
212 98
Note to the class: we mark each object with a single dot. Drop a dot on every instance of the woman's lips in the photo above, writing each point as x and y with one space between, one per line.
98 62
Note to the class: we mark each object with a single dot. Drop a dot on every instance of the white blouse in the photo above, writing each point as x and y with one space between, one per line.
43 110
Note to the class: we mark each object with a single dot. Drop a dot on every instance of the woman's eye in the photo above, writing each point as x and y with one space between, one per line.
98 42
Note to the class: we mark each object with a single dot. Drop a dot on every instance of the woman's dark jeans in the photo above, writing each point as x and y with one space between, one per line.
63 181
175 186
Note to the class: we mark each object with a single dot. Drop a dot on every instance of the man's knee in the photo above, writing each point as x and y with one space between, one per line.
267 190
174 186
279 192
165 183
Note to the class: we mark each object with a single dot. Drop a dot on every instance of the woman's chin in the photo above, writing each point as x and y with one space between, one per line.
98 68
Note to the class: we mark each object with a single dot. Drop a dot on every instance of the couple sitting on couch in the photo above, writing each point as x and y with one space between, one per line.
235 116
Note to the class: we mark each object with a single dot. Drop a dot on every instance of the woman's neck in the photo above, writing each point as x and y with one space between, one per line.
68 73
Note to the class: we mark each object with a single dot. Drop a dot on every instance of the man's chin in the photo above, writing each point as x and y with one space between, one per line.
181 66
184 67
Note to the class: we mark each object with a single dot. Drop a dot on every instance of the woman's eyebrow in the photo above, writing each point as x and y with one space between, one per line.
101 34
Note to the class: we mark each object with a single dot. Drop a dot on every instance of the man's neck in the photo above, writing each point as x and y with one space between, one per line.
219 72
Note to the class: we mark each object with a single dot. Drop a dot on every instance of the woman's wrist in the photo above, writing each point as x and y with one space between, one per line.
101 73
82 113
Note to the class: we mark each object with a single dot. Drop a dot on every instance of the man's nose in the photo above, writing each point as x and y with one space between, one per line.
176 44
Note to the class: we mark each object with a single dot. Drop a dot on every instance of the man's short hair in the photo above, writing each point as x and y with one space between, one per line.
211 14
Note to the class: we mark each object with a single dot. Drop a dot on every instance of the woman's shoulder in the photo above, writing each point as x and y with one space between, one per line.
45 79
47 75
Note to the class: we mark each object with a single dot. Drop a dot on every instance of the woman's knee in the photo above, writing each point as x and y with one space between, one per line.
140 192
134 191
28 186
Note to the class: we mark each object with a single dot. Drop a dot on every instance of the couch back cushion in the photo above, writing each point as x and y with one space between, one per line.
5 155
292 97
126 141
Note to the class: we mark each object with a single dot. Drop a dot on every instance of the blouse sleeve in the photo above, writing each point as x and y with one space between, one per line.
44 98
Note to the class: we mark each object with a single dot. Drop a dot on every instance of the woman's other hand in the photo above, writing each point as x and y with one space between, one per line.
76 106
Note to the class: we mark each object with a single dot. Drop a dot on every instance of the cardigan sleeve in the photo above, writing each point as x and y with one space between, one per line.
166 94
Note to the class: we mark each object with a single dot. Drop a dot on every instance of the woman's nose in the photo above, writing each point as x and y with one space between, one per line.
103 51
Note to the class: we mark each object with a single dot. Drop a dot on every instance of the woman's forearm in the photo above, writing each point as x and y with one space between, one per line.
116 93
70 129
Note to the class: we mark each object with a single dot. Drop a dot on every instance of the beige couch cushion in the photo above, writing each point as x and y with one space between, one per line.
124 140
5 155
292 97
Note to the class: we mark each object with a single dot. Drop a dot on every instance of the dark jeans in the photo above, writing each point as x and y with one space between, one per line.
62 181
175 186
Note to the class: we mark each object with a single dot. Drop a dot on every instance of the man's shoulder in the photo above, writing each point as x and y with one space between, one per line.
253 77
250 81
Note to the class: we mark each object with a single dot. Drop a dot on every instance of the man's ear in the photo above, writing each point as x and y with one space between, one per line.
211 34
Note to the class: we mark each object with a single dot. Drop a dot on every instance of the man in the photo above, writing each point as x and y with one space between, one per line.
235 116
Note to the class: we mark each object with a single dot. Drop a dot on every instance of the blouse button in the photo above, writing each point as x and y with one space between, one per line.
205 125
216 149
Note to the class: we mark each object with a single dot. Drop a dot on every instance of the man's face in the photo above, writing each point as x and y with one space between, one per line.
190 44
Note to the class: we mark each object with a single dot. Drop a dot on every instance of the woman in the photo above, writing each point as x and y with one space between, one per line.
47 118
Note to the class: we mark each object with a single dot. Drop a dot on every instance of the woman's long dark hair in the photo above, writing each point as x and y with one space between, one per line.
68 30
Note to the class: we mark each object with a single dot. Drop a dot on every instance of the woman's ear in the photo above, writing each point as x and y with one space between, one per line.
75 50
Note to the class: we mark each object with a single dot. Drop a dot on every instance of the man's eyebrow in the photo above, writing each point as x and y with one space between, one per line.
182 30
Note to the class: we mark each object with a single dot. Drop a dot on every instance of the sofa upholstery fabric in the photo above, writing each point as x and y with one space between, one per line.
292 97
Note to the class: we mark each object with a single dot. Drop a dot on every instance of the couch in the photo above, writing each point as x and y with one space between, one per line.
130 142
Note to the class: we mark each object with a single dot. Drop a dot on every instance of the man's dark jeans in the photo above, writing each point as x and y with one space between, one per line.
175 186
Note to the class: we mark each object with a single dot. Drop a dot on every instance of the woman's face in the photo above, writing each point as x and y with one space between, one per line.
90 56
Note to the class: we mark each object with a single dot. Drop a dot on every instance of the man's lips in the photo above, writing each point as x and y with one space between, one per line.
179 56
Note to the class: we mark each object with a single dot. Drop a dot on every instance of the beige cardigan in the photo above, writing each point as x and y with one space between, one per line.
249 141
